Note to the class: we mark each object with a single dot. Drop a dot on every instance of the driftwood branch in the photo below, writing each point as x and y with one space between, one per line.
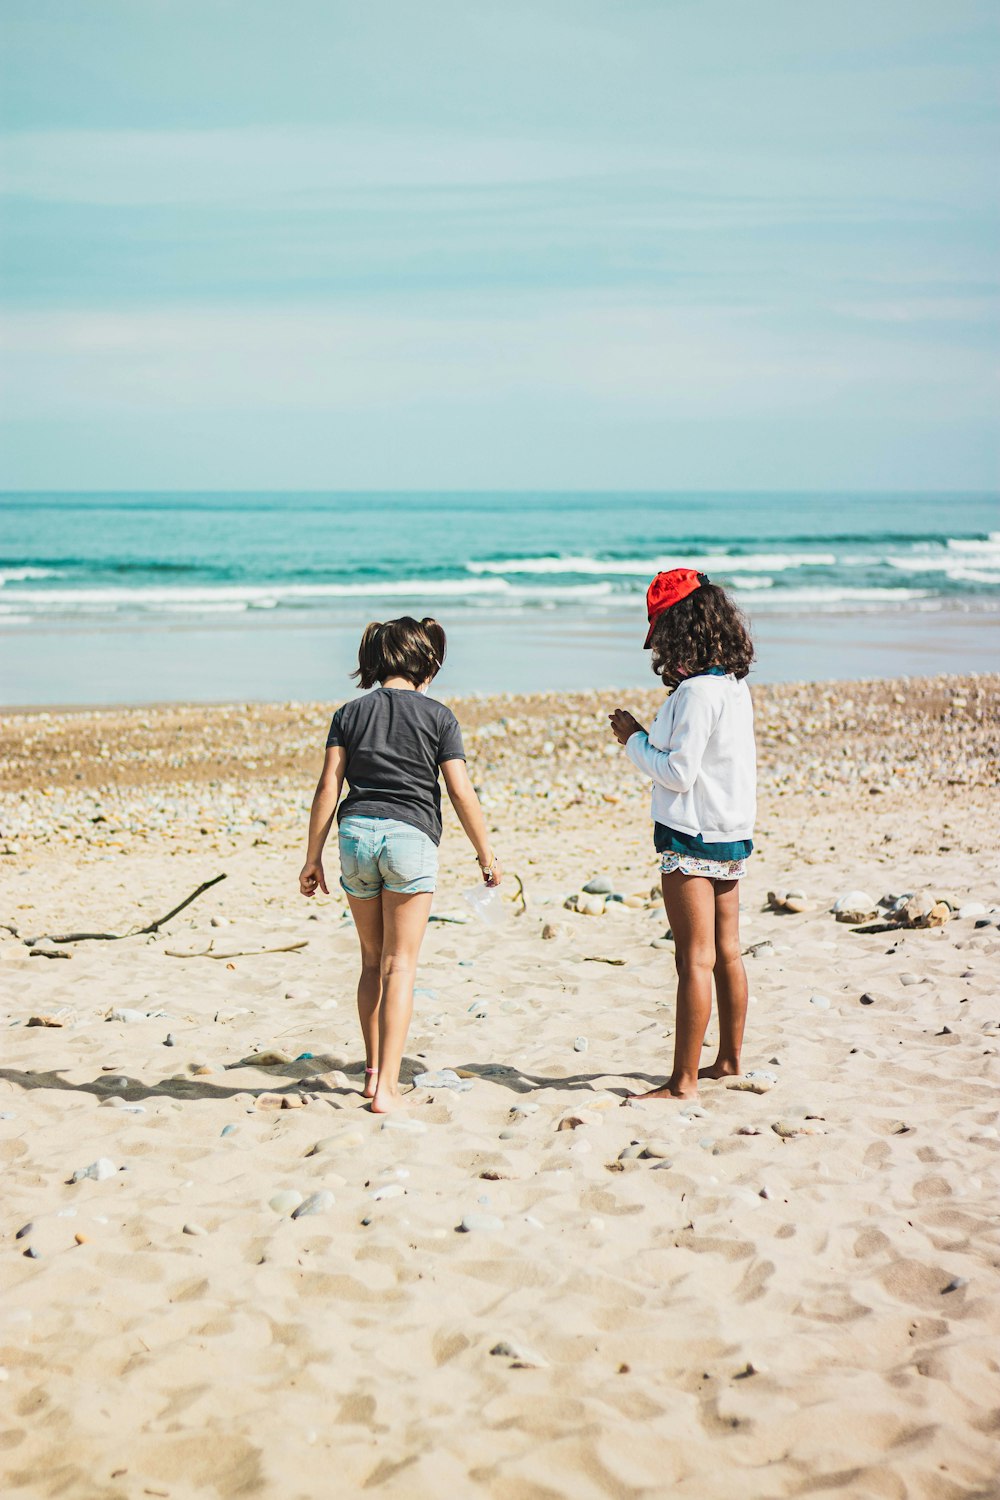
116 937
210 952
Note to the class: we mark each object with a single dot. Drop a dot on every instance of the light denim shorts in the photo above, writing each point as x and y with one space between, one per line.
382 853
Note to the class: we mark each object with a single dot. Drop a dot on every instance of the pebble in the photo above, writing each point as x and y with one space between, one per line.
551 930
126 1015
388 1190
24 1229
955 1284
316 1203
192 1228
820 1002
586 905
285 1202
693 1112
656 1151
752 1084
911 979
581 1044
273 1057
791 901
32 1254
749 1130
443 1078
601 885
98 1170
855 907
916 909
760 950
971 909
115 1101
481 1223
788 1129
521 1356
228 1130
269 1101
399 1122
168 1040
346 1141
479 1009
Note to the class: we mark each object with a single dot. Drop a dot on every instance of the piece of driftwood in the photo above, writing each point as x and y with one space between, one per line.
211 952
117 937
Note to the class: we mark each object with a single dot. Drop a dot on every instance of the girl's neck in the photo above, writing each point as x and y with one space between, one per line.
399 684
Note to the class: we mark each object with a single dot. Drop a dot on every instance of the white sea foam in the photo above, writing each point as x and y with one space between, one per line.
644 567
137 596
834 596
989 548
24 575
975 575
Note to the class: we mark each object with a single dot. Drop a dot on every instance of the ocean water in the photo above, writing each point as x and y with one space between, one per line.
139 597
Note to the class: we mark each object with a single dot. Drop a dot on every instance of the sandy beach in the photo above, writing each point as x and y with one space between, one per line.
517 1289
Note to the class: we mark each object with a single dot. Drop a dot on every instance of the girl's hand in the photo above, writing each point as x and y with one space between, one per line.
311 876
624 725
492 873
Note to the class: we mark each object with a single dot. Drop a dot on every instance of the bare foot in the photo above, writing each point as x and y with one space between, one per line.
720 1070
371 1083
384 1101
670 1090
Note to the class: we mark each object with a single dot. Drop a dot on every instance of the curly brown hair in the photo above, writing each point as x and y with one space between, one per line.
701 631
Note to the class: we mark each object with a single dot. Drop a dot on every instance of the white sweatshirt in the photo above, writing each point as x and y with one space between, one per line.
701 755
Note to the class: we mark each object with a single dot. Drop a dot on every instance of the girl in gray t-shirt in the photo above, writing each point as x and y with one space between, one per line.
390 746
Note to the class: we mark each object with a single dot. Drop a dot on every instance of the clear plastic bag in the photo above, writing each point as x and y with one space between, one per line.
486 903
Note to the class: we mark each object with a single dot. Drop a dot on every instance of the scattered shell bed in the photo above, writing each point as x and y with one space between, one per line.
204 777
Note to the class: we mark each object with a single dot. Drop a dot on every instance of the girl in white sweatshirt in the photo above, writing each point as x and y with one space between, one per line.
700 755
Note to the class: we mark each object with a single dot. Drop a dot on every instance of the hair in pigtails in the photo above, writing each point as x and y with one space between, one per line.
408 648
437 640
366 674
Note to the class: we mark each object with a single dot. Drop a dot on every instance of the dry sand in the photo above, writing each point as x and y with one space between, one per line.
730 1314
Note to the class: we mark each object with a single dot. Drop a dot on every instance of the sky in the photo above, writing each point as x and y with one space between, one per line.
600 244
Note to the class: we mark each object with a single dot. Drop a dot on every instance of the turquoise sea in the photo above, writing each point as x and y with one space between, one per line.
146 597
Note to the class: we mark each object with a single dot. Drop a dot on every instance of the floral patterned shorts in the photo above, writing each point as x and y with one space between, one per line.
712 869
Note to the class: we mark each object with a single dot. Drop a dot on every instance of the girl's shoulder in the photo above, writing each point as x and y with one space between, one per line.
437 708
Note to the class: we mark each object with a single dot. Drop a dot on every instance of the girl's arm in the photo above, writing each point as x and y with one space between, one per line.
324 805
470 815
676 766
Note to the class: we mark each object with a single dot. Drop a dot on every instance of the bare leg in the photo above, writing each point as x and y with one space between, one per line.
405 919
690 904
368 921
730 981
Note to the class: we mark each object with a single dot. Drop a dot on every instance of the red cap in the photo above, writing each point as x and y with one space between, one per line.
668 589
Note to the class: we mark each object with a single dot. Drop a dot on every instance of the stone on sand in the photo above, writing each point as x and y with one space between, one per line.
855 907
285 1202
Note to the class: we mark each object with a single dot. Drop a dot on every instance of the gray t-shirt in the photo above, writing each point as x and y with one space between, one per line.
395 741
